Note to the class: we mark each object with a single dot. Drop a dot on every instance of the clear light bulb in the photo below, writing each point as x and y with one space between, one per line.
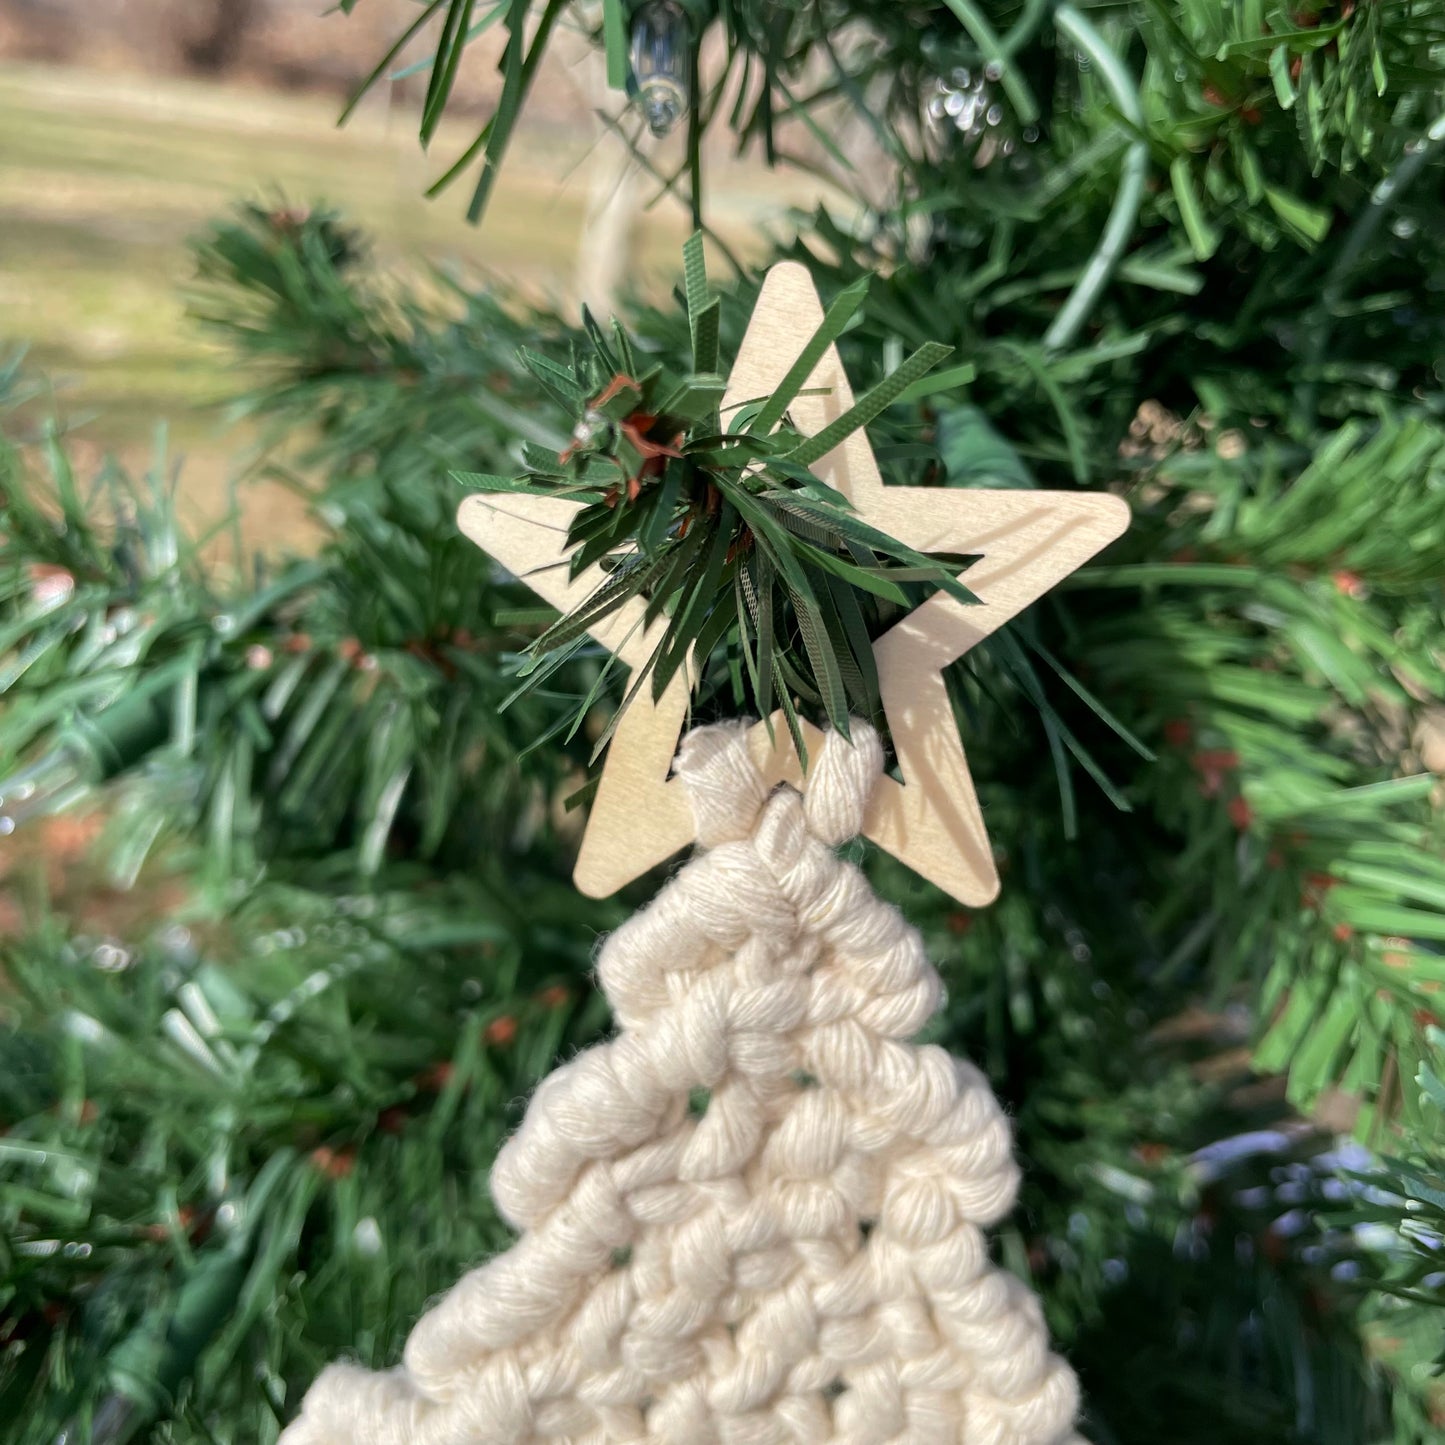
110 1424
46 786
89 751
662 63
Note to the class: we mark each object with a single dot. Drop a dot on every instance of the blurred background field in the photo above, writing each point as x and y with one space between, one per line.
121 142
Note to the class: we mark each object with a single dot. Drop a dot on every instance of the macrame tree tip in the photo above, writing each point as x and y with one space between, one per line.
756 1212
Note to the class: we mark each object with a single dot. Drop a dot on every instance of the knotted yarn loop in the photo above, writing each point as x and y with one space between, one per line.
728 792
755 1215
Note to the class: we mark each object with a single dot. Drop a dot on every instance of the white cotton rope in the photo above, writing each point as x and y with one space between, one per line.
800 1261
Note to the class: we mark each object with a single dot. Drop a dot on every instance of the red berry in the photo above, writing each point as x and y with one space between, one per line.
434 1079
333 1163
1216 760
501 1030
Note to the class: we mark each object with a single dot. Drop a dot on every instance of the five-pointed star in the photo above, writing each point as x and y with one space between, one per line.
1024 541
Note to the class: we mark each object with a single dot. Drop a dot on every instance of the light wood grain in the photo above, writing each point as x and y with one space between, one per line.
1025 543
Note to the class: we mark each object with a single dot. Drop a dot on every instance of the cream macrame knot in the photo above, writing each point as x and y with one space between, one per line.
799 1260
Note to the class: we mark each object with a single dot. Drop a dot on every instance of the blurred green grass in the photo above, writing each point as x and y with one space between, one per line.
103 178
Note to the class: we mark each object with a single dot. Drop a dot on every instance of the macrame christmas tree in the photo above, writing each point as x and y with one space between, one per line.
755 1216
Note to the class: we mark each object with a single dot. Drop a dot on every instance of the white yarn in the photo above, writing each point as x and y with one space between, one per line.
802 1263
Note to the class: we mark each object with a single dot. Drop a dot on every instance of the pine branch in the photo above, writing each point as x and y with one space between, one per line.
672 506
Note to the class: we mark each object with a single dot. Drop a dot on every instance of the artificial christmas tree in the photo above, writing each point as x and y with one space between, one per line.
1185 253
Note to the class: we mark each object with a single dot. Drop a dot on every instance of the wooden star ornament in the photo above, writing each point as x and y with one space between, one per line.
1024 541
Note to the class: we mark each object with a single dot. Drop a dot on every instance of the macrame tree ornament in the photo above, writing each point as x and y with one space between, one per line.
755 1216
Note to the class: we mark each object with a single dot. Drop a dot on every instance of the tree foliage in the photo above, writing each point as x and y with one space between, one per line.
1194 258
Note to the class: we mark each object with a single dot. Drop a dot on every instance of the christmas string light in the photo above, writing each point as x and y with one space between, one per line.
662 63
